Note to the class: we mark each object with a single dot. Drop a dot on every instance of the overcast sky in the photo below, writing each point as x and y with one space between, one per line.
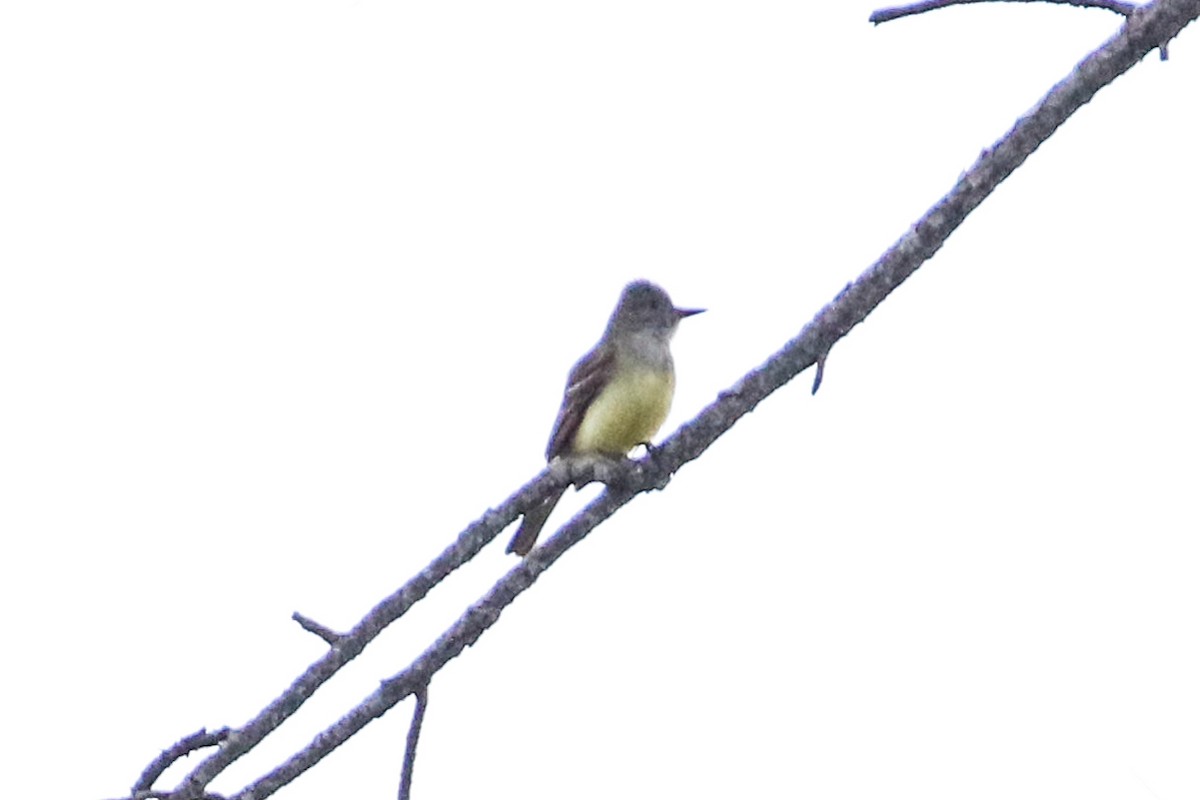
289 292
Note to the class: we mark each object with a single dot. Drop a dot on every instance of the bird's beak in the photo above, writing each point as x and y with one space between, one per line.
688 312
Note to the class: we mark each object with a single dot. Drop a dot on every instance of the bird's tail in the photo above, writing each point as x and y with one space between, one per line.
526 536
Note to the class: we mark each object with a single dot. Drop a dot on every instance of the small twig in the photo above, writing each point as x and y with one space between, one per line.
837 333
820 372
188 744
896 12
410 747
330 636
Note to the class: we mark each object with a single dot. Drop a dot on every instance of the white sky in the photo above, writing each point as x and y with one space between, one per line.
288 294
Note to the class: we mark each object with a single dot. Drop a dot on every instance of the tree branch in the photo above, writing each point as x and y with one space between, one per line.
347 647
188 744
896 12
1147 29
410 745
459 636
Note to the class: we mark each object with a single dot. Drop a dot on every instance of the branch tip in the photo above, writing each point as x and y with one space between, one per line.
188 744
410 745
328 635
820 372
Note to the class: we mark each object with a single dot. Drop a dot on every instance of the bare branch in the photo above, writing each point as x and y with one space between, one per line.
1160 22
896 12
1149 28
330 636
467 628
188 744
465 547
410 746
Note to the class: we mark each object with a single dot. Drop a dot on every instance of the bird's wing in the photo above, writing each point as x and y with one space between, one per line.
583 385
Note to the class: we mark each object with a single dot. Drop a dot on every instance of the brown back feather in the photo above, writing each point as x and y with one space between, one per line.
583 385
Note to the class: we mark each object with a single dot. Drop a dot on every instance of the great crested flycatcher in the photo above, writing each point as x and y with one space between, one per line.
617 395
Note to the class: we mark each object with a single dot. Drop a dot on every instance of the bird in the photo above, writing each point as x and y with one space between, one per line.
617 395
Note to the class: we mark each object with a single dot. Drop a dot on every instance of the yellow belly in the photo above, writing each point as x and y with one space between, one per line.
627 412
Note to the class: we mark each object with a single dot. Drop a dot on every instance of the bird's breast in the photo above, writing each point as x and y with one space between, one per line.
626 412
